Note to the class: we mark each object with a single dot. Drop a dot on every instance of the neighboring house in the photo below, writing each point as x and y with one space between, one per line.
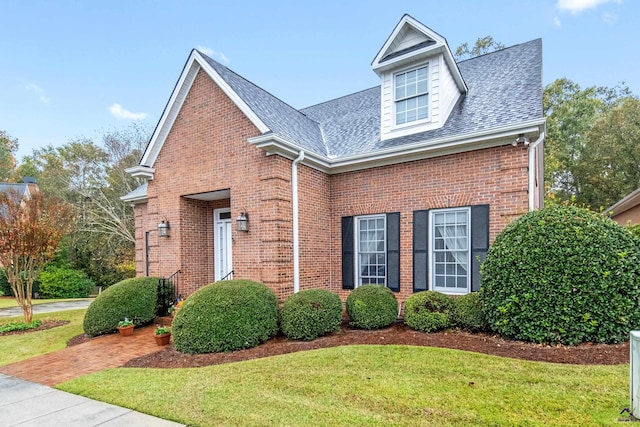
404 184
626 210
24 189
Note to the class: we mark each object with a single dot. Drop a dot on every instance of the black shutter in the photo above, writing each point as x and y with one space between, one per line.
347 252
393 251
420 250
479 242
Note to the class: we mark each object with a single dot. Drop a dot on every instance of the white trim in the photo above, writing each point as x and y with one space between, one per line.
216 235
195 62
356 236
394 100
141 171
440 46
431 266
273 144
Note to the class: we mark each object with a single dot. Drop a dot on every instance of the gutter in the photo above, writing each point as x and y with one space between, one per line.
532 170
294 200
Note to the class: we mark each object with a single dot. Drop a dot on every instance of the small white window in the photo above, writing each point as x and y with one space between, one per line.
371 250
450 254
412 95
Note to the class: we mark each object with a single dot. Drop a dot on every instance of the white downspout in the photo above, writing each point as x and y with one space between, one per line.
294 202
532 171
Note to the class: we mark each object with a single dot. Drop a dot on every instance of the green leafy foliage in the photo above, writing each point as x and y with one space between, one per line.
19 326
226 316
64 282
131 298
562 275
5 286
469 314
372 307
429 311
310 314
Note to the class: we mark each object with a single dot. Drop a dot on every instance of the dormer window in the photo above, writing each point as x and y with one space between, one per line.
412 95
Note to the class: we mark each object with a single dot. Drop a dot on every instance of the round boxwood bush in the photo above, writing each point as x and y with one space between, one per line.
429 311
64 282
372 307
226 316
469 314
310 314
134 299
563 275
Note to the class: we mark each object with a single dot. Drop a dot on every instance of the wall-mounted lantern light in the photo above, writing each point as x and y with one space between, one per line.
242 222
163 229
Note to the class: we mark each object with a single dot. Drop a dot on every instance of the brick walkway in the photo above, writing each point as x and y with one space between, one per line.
100 353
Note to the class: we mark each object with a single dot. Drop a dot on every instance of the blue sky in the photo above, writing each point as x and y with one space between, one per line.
70 69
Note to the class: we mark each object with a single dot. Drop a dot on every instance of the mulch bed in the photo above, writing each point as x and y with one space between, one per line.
585 354
46 324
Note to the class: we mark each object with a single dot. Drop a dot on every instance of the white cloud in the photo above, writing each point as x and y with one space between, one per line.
37 90
121 113
577 6
220 56
609 18
556 21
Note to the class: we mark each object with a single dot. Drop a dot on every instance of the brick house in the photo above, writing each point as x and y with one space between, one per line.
627 210
405 184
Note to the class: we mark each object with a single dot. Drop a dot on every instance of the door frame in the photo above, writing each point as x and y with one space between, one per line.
228 242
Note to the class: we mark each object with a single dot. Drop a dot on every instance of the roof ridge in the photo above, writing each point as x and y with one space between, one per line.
499 50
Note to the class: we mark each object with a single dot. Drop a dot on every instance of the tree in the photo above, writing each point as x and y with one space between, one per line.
30 231
571 112
482 46
8 147
610 168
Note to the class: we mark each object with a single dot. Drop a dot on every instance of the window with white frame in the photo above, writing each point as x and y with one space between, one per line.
412 95
371 255
450 255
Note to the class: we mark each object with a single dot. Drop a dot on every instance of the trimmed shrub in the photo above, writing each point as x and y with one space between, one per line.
469 314
5 287
563 275
372 307
310 314
429 311
134 299
63 282
226 316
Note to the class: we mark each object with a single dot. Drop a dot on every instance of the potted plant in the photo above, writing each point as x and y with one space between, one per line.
162 334
125 327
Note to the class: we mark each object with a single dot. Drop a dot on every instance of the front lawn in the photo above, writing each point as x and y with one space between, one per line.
14 348
370 385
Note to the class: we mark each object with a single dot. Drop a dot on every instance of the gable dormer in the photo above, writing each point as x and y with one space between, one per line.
420 81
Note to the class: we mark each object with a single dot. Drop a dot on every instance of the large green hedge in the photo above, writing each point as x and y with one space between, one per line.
226 316
64 282
429 311
372 307
563 275
134 299
310 314
469 313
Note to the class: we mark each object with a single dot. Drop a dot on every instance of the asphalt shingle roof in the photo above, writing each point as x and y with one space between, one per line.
20 188
505 88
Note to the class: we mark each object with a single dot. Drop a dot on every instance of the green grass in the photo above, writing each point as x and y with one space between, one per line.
11 302
14 348
370 386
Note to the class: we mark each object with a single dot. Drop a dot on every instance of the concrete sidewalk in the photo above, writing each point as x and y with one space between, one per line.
27 404
48 307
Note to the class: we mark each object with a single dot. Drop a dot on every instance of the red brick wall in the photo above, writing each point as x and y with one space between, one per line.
495 176
207 150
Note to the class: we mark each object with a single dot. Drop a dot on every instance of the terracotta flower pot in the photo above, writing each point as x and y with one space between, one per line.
162 339
126 331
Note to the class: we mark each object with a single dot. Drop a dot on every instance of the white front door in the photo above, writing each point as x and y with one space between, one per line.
222 259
